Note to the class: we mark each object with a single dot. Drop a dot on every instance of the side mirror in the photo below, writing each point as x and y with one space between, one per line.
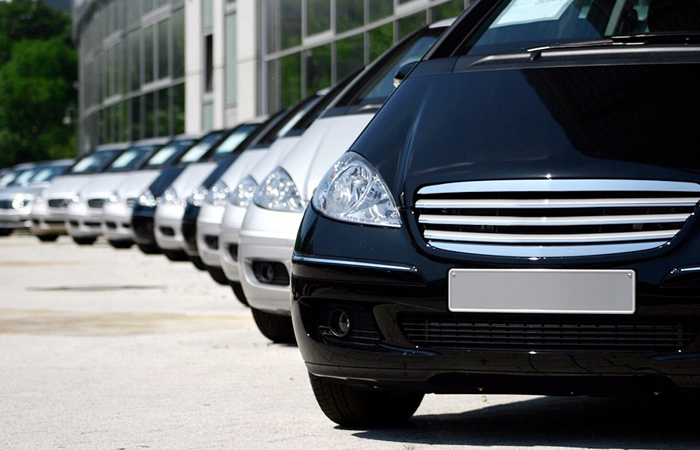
403 72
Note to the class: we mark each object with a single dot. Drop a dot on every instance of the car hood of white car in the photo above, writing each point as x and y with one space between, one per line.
320 146
136 183
66 186
102 185
191 177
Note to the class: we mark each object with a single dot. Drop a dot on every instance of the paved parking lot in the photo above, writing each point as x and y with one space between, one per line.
107 349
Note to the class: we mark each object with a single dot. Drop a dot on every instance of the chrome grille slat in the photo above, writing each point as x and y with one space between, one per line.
554 218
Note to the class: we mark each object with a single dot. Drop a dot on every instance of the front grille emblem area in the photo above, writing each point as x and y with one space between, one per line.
554 218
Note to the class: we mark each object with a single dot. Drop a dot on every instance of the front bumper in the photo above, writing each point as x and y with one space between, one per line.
116 222
15 219
189 230
229 240
84 221
267 237
45 220
168 227
403 334
207 234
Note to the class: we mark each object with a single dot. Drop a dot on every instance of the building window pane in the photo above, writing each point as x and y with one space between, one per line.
135 118
380 40
178 21
379 9
207 14
447 10
208 63
231 62
409 24
134 60
134 11
290 22
207 116
318 16
126 123
350 55
349 14
163 39
149 124
290 80
178 108
148 50
163 108
318 68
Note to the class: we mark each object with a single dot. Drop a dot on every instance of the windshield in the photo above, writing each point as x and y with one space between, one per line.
378 85
94 162
518 25
234 139
23 177
132 158
47 173
201 148
7 177
169 153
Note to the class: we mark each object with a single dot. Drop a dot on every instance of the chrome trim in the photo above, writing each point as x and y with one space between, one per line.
548 221
547 185
549 238
348 263
530 251
557 203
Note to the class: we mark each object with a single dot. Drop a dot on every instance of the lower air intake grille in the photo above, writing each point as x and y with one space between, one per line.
549 333
363 329
6 204
96 202
58 203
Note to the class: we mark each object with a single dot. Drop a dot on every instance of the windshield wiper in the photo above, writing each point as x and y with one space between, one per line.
637 39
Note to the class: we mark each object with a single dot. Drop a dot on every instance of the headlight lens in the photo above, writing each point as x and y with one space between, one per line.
114 197
77 198
198 195
217 194
147 199
353 191
278 192
243 193
20 201
170 198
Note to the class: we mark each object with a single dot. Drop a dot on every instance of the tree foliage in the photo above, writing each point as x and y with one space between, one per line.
38 69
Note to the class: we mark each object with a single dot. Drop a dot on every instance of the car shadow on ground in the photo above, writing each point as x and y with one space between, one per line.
577 422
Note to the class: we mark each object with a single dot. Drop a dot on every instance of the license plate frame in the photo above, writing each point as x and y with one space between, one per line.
542 291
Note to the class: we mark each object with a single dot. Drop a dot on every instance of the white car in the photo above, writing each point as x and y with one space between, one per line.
271 223
18 196
50 212
167 220
84 222
234 181
242 192
116 218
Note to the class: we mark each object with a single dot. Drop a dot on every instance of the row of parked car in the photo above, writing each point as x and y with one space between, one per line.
519 217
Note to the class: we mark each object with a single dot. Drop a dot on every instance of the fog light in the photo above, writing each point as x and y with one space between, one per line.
267 273
340 323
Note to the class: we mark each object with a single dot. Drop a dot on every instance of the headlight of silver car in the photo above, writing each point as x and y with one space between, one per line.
170 197
243 193
20 201
198 195
147 199
278 192
353 191
114 197
217 194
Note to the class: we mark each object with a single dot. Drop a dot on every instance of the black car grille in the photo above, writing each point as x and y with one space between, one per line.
549 333
58 203
96 202
130 202
554 218
6 204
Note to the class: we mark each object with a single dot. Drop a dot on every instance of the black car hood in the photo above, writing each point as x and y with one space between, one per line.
596 121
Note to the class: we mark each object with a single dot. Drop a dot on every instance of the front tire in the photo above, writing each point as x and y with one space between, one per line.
121 244
84 240
5 231
48 237
238 292
218 275
198 263
275 327
149 249
175 255
355 407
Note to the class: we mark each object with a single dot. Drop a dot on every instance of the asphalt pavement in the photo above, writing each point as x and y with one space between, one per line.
112 349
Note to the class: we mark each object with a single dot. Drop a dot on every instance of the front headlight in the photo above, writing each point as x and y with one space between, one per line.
170 198
20 201
278 193
217 194
77 198
198 195
353 191
114 197
147 199
243 193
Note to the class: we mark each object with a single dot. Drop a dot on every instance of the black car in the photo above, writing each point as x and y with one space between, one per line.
520 217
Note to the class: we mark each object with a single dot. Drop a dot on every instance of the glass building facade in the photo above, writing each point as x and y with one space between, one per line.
162 67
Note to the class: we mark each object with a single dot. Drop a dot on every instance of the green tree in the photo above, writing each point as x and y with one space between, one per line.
38 68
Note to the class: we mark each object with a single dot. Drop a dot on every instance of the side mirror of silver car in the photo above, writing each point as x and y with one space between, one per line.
403 72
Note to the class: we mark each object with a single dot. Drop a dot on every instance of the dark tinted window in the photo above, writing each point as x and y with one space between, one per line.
169 153
200 148
132 158
47 173
95 161
234 139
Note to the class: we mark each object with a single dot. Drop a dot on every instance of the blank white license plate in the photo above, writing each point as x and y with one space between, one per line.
542 291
